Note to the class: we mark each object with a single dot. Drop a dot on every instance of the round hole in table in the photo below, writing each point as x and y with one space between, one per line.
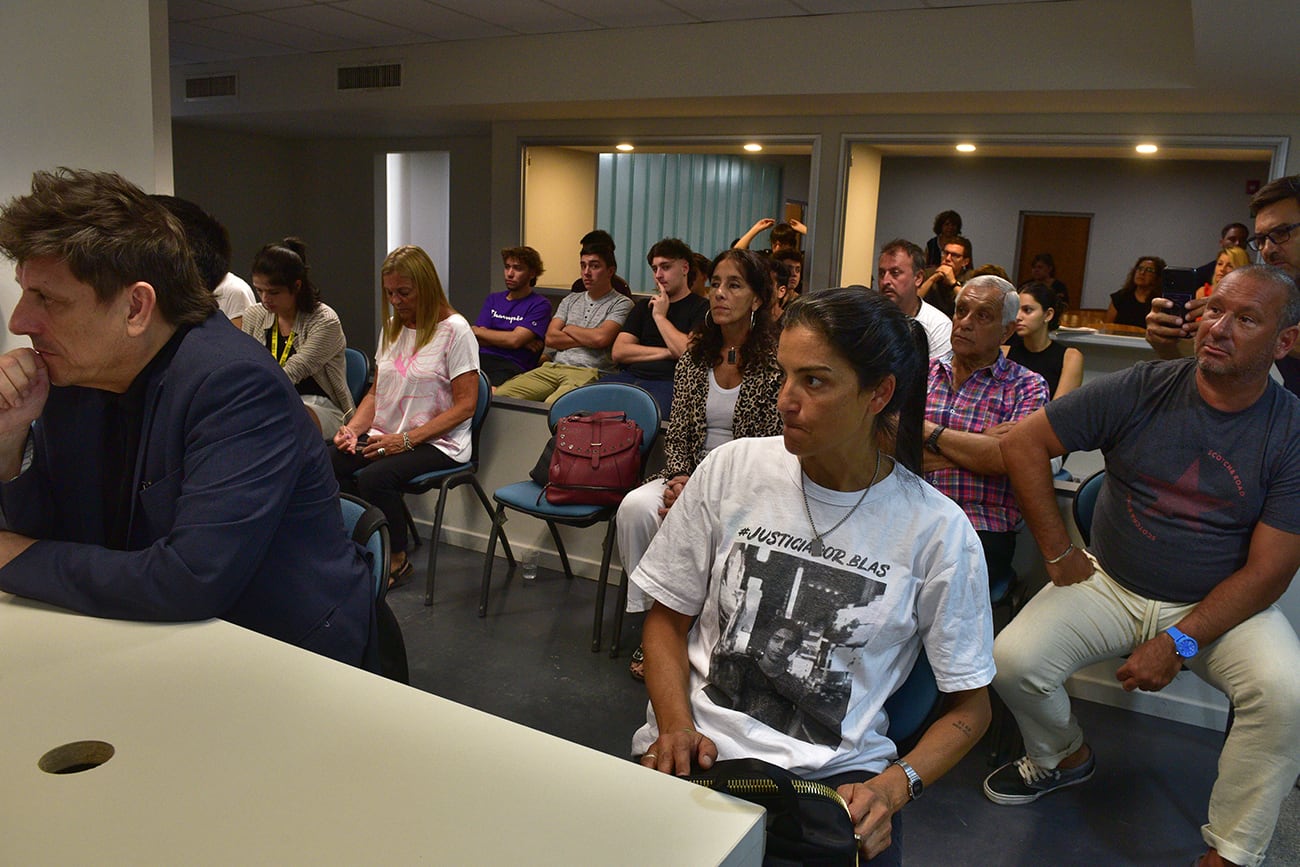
75 757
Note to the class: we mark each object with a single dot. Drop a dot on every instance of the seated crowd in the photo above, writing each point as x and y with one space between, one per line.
845 473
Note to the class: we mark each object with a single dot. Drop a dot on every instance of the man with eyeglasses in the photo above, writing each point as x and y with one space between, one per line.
940 287
1276 209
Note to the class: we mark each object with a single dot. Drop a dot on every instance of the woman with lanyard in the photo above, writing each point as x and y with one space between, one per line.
303 334
843 557
724 388
416 417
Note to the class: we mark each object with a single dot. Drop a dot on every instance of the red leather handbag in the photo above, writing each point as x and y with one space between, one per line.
597 459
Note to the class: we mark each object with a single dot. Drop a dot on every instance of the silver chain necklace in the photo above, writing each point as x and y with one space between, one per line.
816 547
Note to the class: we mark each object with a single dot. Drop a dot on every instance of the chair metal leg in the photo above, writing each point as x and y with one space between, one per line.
487 507
618 615
488 555
559 548
434 544
410 526
605 555
1003 735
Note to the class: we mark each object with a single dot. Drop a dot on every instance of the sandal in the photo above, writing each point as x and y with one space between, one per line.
637 666
400 575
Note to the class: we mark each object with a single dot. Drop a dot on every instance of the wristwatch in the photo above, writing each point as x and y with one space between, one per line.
914 784
932 441
1184 645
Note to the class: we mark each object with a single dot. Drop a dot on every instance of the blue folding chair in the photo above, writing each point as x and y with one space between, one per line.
913 705
446 480
358 371
368 527
1082 507
528 496
1085 500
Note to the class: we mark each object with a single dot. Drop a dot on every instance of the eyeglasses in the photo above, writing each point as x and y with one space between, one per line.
1147 269
1279 236
953 254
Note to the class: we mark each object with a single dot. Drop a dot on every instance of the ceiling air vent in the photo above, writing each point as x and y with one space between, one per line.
212 86
370 77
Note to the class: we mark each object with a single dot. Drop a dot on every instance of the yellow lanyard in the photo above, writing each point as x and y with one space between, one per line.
275 344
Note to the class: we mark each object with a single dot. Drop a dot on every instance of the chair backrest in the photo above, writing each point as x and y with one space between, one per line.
1085 500
481 408
912 704
612 397
368 527
358 368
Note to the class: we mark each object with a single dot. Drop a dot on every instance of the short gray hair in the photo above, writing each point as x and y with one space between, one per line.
1280 279
1010 297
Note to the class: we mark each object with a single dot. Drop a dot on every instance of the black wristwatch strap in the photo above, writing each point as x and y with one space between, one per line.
932 441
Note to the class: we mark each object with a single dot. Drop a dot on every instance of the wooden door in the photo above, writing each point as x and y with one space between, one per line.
1065 236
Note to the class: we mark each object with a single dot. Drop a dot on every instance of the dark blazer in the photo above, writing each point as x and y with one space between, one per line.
235 509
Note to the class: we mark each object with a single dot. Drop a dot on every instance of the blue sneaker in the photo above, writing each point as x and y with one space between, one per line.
1024 781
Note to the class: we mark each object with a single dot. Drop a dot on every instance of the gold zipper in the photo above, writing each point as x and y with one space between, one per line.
760 786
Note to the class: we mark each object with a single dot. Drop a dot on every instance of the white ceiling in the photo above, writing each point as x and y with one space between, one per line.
203 31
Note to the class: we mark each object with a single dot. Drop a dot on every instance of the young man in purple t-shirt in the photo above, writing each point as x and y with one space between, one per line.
512 324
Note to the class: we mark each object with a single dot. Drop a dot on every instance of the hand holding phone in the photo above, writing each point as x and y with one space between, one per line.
1180 285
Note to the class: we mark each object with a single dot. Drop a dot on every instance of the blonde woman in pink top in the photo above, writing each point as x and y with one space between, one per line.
416 417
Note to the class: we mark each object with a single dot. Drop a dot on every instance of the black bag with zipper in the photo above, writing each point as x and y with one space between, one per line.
808 823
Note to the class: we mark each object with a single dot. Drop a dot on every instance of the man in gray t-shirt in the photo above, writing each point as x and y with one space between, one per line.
1195 535
579 336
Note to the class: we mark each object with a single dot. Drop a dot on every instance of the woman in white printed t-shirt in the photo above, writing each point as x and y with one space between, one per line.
796 578
416 417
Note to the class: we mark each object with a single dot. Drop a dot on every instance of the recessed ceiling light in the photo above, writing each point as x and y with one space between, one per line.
1147 148
625 147
753 147
966 148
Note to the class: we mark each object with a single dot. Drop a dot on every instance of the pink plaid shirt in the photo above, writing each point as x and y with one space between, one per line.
1002 392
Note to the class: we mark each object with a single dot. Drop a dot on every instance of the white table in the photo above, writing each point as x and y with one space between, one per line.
233 748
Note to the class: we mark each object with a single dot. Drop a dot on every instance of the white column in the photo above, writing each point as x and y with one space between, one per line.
86 86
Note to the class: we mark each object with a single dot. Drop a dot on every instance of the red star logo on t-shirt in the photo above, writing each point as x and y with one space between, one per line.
1182 498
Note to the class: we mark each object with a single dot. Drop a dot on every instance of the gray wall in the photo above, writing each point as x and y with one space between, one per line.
264 188
1140 207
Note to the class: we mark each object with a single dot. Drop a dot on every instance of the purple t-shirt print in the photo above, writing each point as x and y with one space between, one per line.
499 313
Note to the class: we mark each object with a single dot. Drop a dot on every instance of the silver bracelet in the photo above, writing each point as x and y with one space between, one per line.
406 442
1066 553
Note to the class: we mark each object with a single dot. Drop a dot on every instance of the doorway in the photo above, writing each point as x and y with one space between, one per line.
1065 238
418 205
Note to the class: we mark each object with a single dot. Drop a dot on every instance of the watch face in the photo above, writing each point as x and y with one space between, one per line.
1185 646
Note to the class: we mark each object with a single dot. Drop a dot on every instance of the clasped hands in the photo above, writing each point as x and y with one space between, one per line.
377 446
672 490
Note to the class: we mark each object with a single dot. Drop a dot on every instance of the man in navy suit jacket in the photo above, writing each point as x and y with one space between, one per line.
155 463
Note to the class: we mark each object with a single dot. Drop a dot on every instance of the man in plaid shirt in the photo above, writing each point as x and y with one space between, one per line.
974 398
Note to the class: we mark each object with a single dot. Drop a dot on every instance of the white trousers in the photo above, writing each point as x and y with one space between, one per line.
1063 629
638 521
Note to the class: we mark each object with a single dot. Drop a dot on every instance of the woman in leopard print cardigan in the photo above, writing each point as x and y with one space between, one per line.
724 387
